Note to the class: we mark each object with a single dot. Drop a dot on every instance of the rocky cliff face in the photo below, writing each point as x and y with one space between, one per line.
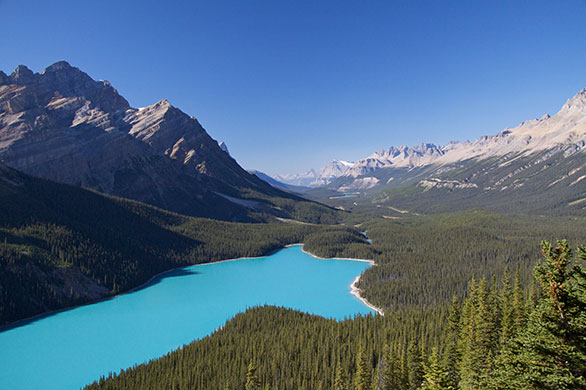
62 125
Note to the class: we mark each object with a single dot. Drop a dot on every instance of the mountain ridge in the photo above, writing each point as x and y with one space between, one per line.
60 124
567 127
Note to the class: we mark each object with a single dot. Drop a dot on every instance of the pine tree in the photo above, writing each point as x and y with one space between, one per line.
507 311
518 300
252 381
414 365
468 364
434 378
340 382
452 354
550 352
391 378
363 378
495 314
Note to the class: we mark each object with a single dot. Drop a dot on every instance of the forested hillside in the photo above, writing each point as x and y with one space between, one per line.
424 261
62 246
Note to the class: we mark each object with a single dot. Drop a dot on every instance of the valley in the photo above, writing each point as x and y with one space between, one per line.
98 198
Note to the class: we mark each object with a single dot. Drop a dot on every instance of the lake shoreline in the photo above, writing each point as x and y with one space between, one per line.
354 290
28 320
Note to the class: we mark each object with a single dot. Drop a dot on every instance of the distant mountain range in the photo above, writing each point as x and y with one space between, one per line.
538 166
278 184
62 125
318 178
566 129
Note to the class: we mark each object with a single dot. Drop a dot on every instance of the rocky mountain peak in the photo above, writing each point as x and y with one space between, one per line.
62 79
21 75
59 66
576 103
66 78
163 104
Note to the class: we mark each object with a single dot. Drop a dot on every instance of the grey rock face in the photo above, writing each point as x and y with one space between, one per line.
62 125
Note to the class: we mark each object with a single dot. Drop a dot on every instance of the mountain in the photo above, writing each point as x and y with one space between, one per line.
62 125
322 177
538 166
566 129
297 179
277 184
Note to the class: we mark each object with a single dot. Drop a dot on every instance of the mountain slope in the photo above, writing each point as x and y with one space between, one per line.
62 245
62 125
536 167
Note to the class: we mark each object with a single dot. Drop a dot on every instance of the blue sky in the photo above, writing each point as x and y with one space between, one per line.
290 85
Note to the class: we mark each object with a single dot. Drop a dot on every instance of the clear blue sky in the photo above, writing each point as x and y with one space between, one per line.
290 85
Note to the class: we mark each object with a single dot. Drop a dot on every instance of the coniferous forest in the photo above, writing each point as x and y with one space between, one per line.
499 336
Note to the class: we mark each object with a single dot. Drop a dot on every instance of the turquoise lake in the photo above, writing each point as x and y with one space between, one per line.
72 348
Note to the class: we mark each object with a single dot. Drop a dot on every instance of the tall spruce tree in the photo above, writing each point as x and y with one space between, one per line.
252 380
507 311
518 312
340 381
434 377
363 377
550 351
451 354
414 365
391 378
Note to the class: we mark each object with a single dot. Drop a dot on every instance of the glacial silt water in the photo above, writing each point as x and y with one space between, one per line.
72 348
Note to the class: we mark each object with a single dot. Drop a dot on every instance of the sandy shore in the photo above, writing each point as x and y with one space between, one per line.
356 292
353 289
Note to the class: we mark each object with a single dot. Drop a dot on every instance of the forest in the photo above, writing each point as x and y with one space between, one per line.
497 337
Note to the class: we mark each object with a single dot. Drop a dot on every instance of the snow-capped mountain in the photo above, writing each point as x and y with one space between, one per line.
322 177
297 179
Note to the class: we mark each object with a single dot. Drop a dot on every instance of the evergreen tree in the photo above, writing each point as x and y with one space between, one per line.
507 310
518 300
550 352
252 380
340 382
452 354
434 378
414 365
391 378
363 377
468 364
